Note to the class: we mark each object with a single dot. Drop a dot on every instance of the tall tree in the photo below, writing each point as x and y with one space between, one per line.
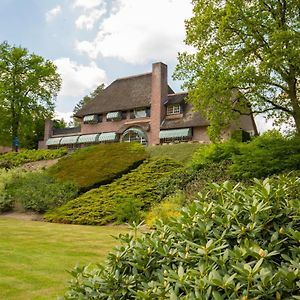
247 52
28 86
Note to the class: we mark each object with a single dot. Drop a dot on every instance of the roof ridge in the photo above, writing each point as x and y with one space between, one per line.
133 76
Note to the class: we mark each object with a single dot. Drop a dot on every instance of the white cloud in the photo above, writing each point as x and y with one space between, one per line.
52 13
88 4
78 80
139 31
66 116
88 20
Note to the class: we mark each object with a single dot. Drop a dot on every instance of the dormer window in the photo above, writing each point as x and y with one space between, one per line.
90 119
140 113
173 109
114 116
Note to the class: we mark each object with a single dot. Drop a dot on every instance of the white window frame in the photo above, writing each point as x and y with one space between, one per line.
173 109
142 111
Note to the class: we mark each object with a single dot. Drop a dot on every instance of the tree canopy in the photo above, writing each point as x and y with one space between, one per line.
247 53
86 99
28 86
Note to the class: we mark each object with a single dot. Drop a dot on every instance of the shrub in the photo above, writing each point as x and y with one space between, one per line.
6 176
192 179
92 166
129 211
215 153
266 155
166 209
39 192
100 206
234 243
13 159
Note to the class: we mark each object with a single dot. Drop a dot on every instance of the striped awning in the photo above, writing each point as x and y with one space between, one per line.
175 133
107 137
67 140
90 119
88 138
53 141
114 115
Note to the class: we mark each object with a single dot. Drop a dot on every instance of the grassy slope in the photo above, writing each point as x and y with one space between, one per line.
95 165
180 152
34 256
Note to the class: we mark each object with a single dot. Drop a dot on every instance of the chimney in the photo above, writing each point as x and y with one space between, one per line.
159 93
48 130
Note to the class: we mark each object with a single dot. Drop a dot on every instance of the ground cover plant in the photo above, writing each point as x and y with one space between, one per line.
123 199
96 165
34 256
235 242
13 159
181 152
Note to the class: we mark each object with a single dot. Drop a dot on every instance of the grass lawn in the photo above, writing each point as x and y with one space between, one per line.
181 152
35 256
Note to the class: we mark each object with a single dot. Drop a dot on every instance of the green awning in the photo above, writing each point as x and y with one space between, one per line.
53 141
67 140
90 119
107 137
175 133
88 138
113 115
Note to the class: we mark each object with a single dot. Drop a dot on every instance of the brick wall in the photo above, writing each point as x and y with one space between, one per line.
159 92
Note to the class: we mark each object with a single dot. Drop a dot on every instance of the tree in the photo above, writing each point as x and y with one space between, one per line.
86 99
28 86
247 53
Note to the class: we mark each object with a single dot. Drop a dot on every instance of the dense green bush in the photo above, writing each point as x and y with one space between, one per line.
102 205
13 159
39 192
6 176
194 179
96 165
268 154
233 243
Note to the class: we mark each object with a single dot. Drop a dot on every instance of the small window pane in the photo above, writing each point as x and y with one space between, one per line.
173 109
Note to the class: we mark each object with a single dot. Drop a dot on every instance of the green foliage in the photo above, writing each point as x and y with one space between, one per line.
28 85
95 165
181 152
6 176
129 211
13 159
233 243
247 53
168 208
39 192
101 206
215 153
268 154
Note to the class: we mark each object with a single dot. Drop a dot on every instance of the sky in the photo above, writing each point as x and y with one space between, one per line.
97 41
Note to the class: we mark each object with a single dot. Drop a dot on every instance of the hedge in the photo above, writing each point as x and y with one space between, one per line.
96 165
102 205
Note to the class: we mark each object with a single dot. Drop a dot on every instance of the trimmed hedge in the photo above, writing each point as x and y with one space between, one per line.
97 165
233 243
101 206
13 159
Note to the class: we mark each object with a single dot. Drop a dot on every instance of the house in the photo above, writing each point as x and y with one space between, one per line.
141 108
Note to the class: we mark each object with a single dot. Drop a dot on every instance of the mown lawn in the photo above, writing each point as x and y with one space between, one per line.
181 152
35 256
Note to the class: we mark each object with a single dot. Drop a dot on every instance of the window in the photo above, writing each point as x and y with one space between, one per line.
134 135
140 113
173 109
115 115
90 119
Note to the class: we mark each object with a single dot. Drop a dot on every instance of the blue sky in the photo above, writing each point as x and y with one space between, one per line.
97 41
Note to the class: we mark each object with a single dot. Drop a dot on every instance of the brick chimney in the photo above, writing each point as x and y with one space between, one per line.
159 93
48 130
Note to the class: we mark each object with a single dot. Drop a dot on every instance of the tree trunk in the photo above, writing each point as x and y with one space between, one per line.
292 83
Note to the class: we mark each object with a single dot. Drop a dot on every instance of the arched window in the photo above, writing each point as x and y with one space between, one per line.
134 134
